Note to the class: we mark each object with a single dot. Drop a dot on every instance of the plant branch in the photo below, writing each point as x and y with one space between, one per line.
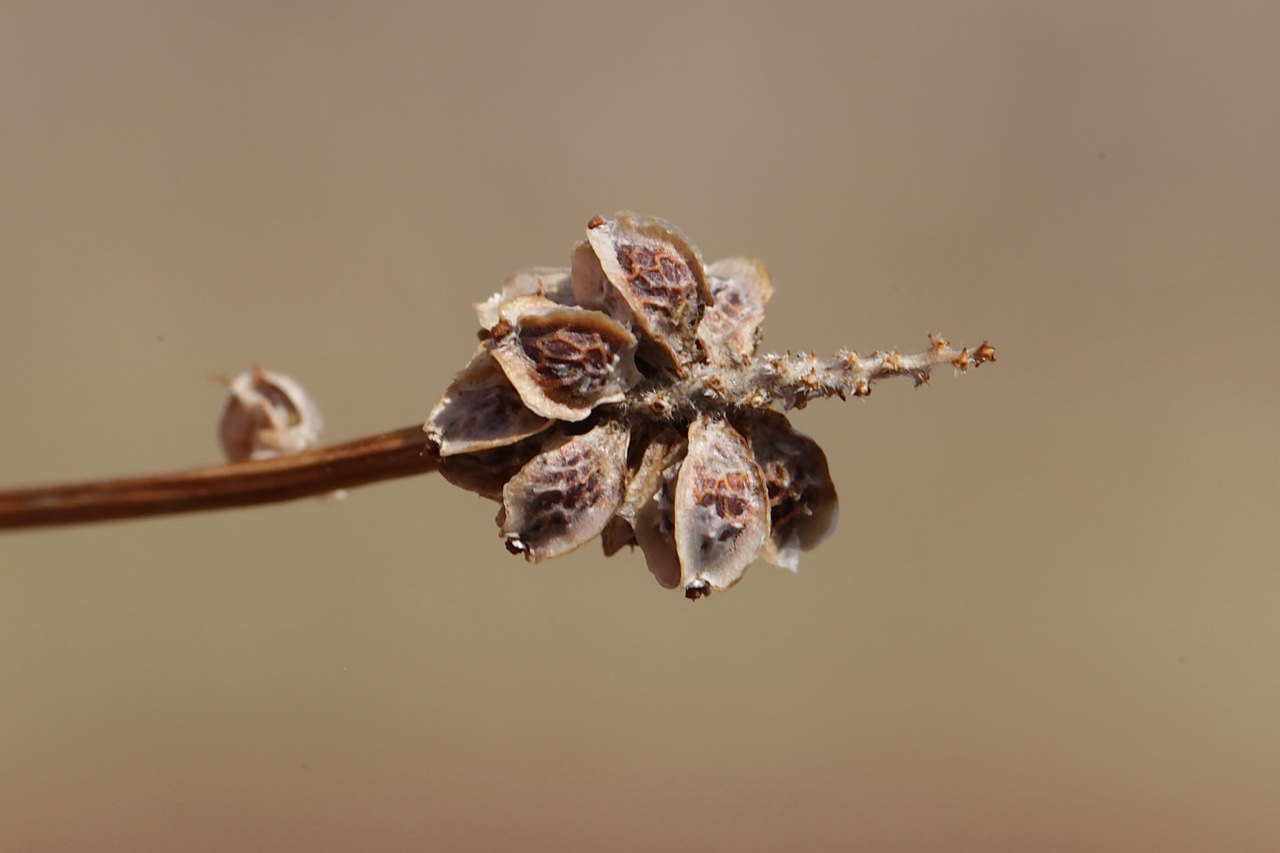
774 381
790 381
390 455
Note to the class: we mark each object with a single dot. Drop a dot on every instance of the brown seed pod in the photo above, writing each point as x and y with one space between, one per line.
654 529
564 361
617 534
566 495
267 414
486 472
591 289
655 276
730 327
721 508
803 507
550 282
481 410
644 479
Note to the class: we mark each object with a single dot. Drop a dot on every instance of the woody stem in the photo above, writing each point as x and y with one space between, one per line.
390 455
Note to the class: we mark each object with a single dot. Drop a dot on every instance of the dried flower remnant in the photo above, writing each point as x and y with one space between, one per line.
802 499
624 397
566 494
721 508
730 327
563 361
267 414
651 274
481 410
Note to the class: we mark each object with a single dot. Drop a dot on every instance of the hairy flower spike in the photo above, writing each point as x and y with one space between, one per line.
624 397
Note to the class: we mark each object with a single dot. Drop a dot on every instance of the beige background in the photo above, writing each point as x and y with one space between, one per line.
1047 621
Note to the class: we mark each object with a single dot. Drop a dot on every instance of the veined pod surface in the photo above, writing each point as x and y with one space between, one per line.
721 508
566 495
655 276
730 326
803 507
481 410
564 361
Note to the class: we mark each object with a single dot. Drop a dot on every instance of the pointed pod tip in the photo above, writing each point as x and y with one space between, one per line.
696 589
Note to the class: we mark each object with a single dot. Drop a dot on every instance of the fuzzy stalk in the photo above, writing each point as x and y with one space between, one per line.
791 380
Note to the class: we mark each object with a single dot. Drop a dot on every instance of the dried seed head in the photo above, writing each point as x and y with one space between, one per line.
566 495
267 415
721 507
678 447
803 507
564 361
481 410
730 327
655 276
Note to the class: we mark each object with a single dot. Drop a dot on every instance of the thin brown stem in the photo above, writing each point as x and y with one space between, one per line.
400 453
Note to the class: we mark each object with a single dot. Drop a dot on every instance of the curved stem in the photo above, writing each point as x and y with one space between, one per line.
399 453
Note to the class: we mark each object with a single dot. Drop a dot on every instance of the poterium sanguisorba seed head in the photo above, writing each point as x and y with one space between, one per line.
623 397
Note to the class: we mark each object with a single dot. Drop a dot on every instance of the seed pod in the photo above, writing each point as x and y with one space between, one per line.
655 275
721 508
730 327
486 472
644 479
617 534
564 361
590 287
550 282
654 529
481 410
267 414
566 495
803 506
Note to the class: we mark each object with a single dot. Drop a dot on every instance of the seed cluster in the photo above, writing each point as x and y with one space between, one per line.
623 398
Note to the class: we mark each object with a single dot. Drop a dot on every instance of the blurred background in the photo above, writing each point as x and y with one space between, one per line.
1046 622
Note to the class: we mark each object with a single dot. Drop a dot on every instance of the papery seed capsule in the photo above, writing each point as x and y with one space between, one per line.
654 528
656 275
721 507
552 283
644 479
486 472
481 410
803 506
591 289
617 534
563 361
267 414
566 495
730 327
